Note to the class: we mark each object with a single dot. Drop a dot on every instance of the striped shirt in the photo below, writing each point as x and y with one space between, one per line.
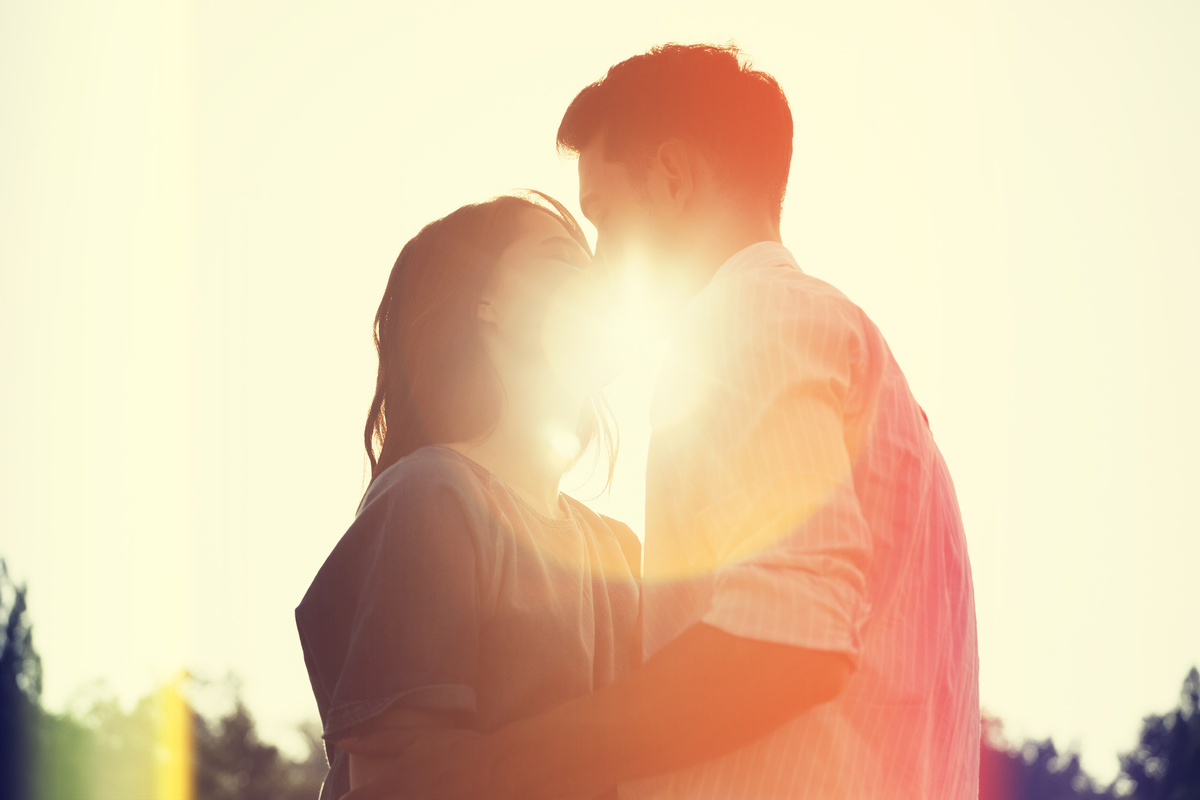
795 495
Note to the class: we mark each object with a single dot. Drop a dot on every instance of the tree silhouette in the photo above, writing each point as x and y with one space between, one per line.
1029 771
1166 763
20 689
304 777
104 752
107 753
232 763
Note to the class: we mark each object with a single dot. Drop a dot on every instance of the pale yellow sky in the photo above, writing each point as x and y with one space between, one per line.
200 203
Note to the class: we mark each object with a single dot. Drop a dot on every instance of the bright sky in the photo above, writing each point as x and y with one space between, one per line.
200 204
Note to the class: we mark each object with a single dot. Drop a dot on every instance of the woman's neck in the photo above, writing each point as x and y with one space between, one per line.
531 446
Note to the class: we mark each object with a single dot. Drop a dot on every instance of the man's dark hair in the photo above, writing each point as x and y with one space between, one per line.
703 94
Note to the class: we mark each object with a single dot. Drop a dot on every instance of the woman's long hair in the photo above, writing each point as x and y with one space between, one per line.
435 382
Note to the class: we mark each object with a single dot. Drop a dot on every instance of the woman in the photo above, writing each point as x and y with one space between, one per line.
468 592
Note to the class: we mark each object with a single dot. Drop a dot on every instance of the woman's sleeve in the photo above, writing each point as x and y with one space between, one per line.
631 545
393 617
631 548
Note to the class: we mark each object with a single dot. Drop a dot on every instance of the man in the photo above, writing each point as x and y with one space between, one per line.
809 618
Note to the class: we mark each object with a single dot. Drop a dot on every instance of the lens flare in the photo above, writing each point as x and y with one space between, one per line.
564 443
173 756
643 312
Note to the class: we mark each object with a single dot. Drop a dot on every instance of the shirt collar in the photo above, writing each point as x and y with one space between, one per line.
759 254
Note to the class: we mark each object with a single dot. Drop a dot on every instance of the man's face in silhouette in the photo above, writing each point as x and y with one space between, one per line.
633 230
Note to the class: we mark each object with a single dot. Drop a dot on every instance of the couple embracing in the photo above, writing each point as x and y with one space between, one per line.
804 626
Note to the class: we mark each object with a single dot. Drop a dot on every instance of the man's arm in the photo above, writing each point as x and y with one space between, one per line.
704 694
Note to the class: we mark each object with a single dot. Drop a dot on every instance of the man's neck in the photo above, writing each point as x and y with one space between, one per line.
716 243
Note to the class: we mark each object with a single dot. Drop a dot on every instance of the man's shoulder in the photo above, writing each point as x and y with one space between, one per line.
778 301
796 284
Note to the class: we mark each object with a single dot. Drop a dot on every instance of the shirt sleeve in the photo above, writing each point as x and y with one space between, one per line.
790 541
393 616
631 548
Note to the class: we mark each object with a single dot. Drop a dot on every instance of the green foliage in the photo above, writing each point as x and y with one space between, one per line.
104 752
64 766
107 753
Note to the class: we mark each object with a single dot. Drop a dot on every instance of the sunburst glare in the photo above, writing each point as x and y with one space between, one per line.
564 443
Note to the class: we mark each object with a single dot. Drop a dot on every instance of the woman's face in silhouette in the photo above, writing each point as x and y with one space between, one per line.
545 310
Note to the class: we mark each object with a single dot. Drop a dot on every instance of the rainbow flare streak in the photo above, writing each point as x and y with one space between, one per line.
174 769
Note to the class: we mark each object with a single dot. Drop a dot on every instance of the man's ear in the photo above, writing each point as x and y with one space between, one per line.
678 167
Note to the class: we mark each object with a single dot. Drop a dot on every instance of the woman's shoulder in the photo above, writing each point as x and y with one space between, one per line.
428 499
431 471
430 485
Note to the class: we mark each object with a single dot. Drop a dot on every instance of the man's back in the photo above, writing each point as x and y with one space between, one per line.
795 495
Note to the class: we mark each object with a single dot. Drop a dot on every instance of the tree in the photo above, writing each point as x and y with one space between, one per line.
65 748
20 689
108 753
1029 771
1166 763
103 752
304 777
232 763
